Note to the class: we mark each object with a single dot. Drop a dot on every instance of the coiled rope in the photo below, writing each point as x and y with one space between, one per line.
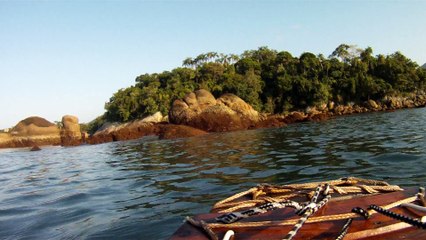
267 197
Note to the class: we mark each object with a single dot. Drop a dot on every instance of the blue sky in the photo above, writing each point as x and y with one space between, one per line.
69 57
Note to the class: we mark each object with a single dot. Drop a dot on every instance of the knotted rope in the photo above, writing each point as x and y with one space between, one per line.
265 197
259 195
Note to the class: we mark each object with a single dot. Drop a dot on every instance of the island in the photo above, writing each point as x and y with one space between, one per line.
260 88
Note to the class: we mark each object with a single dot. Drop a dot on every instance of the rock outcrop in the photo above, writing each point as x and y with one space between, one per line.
70 132
111 132
34 126
155 118
196 114
35 148
171 131
29 132
201 110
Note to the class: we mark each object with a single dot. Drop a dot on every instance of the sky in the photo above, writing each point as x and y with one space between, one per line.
69 57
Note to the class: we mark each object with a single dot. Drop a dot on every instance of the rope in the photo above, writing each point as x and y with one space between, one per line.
204 226
235 216
265 197
421 196
334 217
310 209
414 222
251 190
344 229
341 186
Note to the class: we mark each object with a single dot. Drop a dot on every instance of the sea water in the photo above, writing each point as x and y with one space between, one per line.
143 189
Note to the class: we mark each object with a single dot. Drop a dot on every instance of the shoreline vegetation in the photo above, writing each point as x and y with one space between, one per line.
257 89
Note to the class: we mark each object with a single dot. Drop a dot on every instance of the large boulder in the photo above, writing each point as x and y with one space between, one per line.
70 123
34 126
30 132
372 105
70 133
201 110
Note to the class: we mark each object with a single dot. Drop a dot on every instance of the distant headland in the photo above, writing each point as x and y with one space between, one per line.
259 88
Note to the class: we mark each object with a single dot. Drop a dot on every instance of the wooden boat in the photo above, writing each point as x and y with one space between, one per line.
347 208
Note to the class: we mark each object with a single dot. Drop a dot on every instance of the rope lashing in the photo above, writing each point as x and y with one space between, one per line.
345 229
414 222
259 195
265 197
362 212
310 209
204 226
421 196
236 216
384 210
314 219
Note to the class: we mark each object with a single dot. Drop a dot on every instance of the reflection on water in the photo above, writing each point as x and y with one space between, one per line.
144 188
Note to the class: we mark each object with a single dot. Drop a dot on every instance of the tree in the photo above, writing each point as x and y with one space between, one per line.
272 81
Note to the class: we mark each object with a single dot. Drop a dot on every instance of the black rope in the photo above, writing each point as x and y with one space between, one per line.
361 212
344 229
400 217
348 223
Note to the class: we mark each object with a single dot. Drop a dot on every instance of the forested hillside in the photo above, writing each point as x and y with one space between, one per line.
272 81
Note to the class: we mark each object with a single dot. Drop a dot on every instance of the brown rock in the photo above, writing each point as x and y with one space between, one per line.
201 110
35 148
70 134
312 111
272 121
34 126
70 123
204 99
408 103
330 105
344 109
239 106
318 117
339 109
155 118
372 104
171 131
294 117
29 132
125 131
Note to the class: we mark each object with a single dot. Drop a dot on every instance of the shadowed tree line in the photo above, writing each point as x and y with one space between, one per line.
272 81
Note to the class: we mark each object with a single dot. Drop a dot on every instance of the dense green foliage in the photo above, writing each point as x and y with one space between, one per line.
272 81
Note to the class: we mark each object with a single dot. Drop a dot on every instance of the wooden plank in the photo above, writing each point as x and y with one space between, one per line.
322 230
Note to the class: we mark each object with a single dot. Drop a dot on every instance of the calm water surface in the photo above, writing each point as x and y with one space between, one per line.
143 189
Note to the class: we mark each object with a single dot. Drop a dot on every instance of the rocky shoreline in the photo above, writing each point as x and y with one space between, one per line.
36 131
200 113
196 114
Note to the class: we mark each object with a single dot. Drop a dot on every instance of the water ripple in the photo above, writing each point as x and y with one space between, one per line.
144 188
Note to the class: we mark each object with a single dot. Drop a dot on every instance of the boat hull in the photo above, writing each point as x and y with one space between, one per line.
277 223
